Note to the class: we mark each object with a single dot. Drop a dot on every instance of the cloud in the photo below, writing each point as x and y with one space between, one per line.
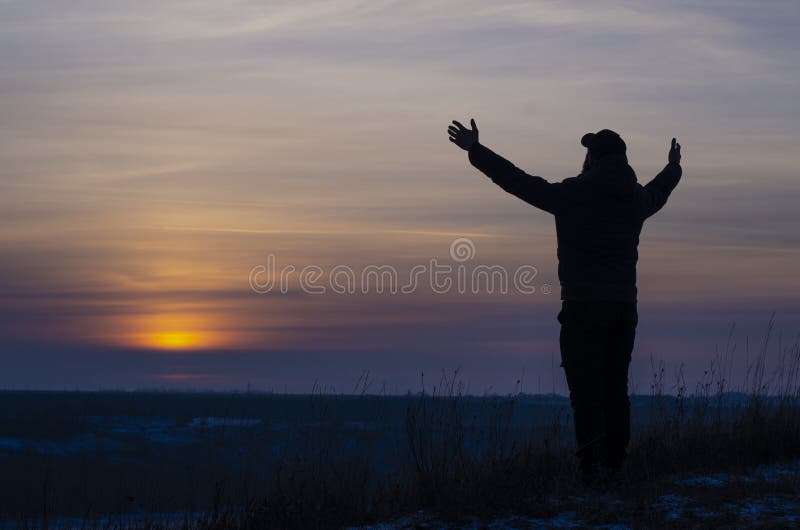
154 151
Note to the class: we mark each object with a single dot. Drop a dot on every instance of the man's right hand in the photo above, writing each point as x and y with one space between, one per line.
461 136
674 156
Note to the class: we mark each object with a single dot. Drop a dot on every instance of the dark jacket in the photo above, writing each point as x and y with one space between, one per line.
599 215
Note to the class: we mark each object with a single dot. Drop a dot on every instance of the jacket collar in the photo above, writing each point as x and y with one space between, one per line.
614 165
613 159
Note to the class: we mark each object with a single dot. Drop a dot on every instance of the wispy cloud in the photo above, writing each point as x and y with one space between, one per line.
154 151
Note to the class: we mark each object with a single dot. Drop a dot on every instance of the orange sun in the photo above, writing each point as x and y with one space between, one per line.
172 331
175 340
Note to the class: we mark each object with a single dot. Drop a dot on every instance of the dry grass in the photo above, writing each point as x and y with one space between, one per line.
467 463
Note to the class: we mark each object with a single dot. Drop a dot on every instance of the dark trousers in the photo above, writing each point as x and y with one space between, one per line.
596 344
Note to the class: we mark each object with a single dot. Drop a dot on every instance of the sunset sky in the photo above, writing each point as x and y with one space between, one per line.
153 152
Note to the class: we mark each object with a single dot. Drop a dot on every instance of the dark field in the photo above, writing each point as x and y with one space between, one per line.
252 460
91 453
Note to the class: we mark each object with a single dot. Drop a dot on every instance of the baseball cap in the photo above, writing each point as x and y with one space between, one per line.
604 142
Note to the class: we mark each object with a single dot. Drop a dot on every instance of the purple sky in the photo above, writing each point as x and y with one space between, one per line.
155 152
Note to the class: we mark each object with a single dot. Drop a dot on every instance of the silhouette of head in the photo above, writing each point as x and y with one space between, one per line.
602 143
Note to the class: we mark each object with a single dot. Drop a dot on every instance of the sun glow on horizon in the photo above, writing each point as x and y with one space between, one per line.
169 331
175 340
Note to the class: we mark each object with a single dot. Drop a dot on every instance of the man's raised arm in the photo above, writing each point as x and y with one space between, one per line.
655 193
537 191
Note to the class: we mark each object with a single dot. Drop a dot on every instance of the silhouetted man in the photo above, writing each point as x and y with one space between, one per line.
599 215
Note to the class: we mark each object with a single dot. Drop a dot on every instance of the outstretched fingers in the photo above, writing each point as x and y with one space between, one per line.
674 152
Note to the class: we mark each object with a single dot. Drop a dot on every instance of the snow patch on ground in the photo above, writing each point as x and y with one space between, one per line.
676 507
772 508
223 422
65 447
777 472
673 506
712 481
173 520
767 473
421 520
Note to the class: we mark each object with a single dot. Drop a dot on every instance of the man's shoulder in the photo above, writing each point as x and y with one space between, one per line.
574 186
